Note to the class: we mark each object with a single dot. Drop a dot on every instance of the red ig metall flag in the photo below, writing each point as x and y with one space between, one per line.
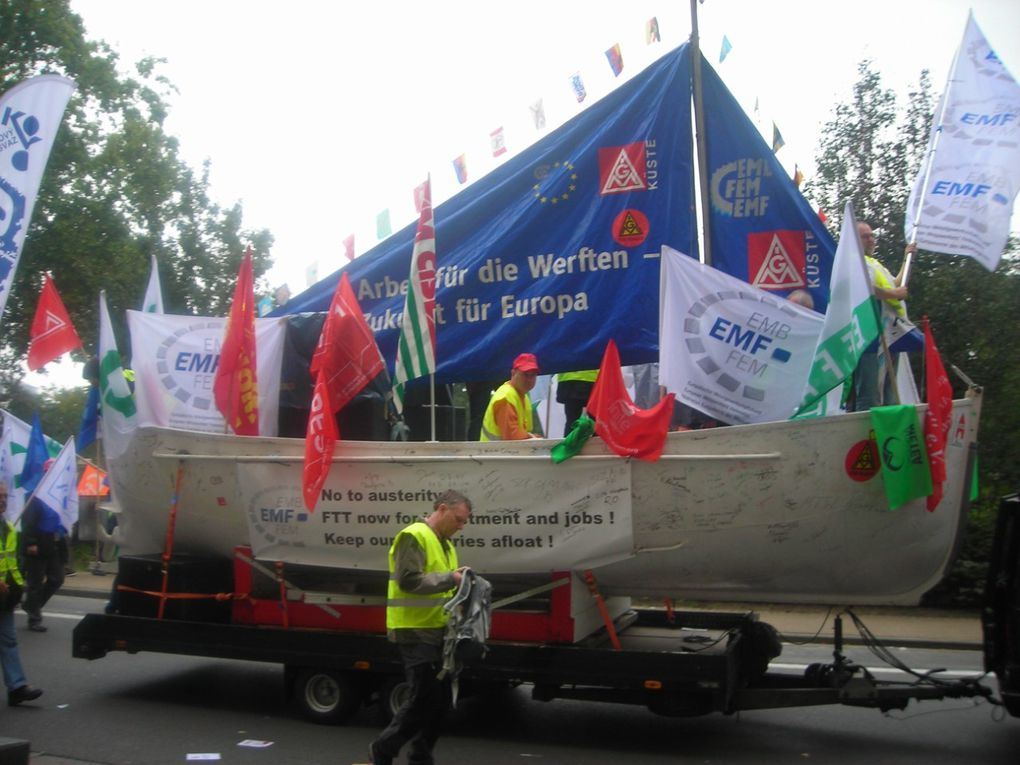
52 333
236 387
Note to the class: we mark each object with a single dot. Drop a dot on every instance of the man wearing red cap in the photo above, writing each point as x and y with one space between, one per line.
509 414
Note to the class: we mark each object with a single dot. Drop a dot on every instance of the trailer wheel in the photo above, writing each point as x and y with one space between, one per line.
392 694
326 696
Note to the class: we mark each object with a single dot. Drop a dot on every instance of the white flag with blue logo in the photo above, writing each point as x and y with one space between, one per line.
964 192
58 489
30 115
730 350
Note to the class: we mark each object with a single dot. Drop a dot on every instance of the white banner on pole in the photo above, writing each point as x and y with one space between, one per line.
527 516
731 350
30 115
14 447
58 489
175 360
969 180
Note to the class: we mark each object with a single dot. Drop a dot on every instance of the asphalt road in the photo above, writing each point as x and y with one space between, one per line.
152 709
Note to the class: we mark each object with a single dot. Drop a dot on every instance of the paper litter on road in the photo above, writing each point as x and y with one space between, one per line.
203 756
254 743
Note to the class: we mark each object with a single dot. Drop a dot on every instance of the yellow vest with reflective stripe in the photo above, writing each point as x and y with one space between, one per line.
585 375
410 610
490 430
9 556
886 281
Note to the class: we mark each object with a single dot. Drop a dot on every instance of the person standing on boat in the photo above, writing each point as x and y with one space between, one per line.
424 574
510 416
868 390
45 553
11 584
573 389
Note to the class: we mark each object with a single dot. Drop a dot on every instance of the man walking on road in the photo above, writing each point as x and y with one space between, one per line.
11 584
424 574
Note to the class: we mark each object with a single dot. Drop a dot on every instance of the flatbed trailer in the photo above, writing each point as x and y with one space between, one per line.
676 663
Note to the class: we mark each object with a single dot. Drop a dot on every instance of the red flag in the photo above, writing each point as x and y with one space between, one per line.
52 333
349 247
319 440
938 417
629 431
236 385
346 357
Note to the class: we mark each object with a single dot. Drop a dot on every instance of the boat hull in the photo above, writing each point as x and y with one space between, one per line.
774 512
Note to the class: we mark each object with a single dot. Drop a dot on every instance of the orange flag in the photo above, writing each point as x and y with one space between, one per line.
93 483
236 385
626 429
52 333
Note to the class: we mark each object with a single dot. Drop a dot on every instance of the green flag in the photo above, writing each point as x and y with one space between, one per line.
905 470
850 322
578 436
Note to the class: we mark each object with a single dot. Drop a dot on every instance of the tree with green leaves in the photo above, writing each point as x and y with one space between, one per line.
869 153
115 191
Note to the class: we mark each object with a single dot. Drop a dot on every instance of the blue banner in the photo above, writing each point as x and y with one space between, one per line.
557 250
763 230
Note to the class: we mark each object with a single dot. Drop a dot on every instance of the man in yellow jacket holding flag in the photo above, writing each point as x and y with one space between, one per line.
424 574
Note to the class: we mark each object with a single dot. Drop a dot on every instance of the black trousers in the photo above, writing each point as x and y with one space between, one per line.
44 575
419 720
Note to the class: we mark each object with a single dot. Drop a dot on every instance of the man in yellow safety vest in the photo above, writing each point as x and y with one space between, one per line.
509 416
11 585
424 575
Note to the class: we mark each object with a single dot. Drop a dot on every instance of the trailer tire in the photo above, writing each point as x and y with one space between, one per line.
326 696
392 694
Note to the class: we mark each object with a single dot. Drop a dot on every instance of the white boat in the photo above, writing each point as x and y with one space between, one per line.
752 513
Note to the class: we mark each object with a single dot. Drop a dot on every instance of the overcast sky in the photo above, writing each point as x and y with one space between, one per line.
317 115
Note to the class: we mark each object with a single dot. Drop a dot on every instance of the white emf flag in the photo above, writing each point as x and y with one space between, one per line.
58 489
30 115
153 302
117 402
731 350
964 192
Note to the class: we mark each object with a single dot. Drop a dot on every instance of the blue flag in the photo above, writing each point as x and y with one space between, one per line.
35 458
556 251
763 230
89 419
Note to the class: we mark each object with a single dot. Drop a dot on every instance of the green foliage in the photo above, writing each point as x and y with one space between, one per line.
115 191
870 154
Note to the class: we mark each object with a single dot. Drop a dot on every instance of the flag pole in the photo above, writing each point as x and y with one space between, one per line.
699 129
432 409
929 161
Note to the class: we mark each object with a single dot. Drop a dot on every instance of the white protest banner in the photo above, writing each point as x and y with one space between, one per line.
175 360
963 195
527 516
728 349
30 115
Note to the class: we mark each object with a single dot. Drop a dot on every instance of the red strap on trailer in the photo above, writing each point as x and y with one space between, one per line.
283 594
614 639
168 548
